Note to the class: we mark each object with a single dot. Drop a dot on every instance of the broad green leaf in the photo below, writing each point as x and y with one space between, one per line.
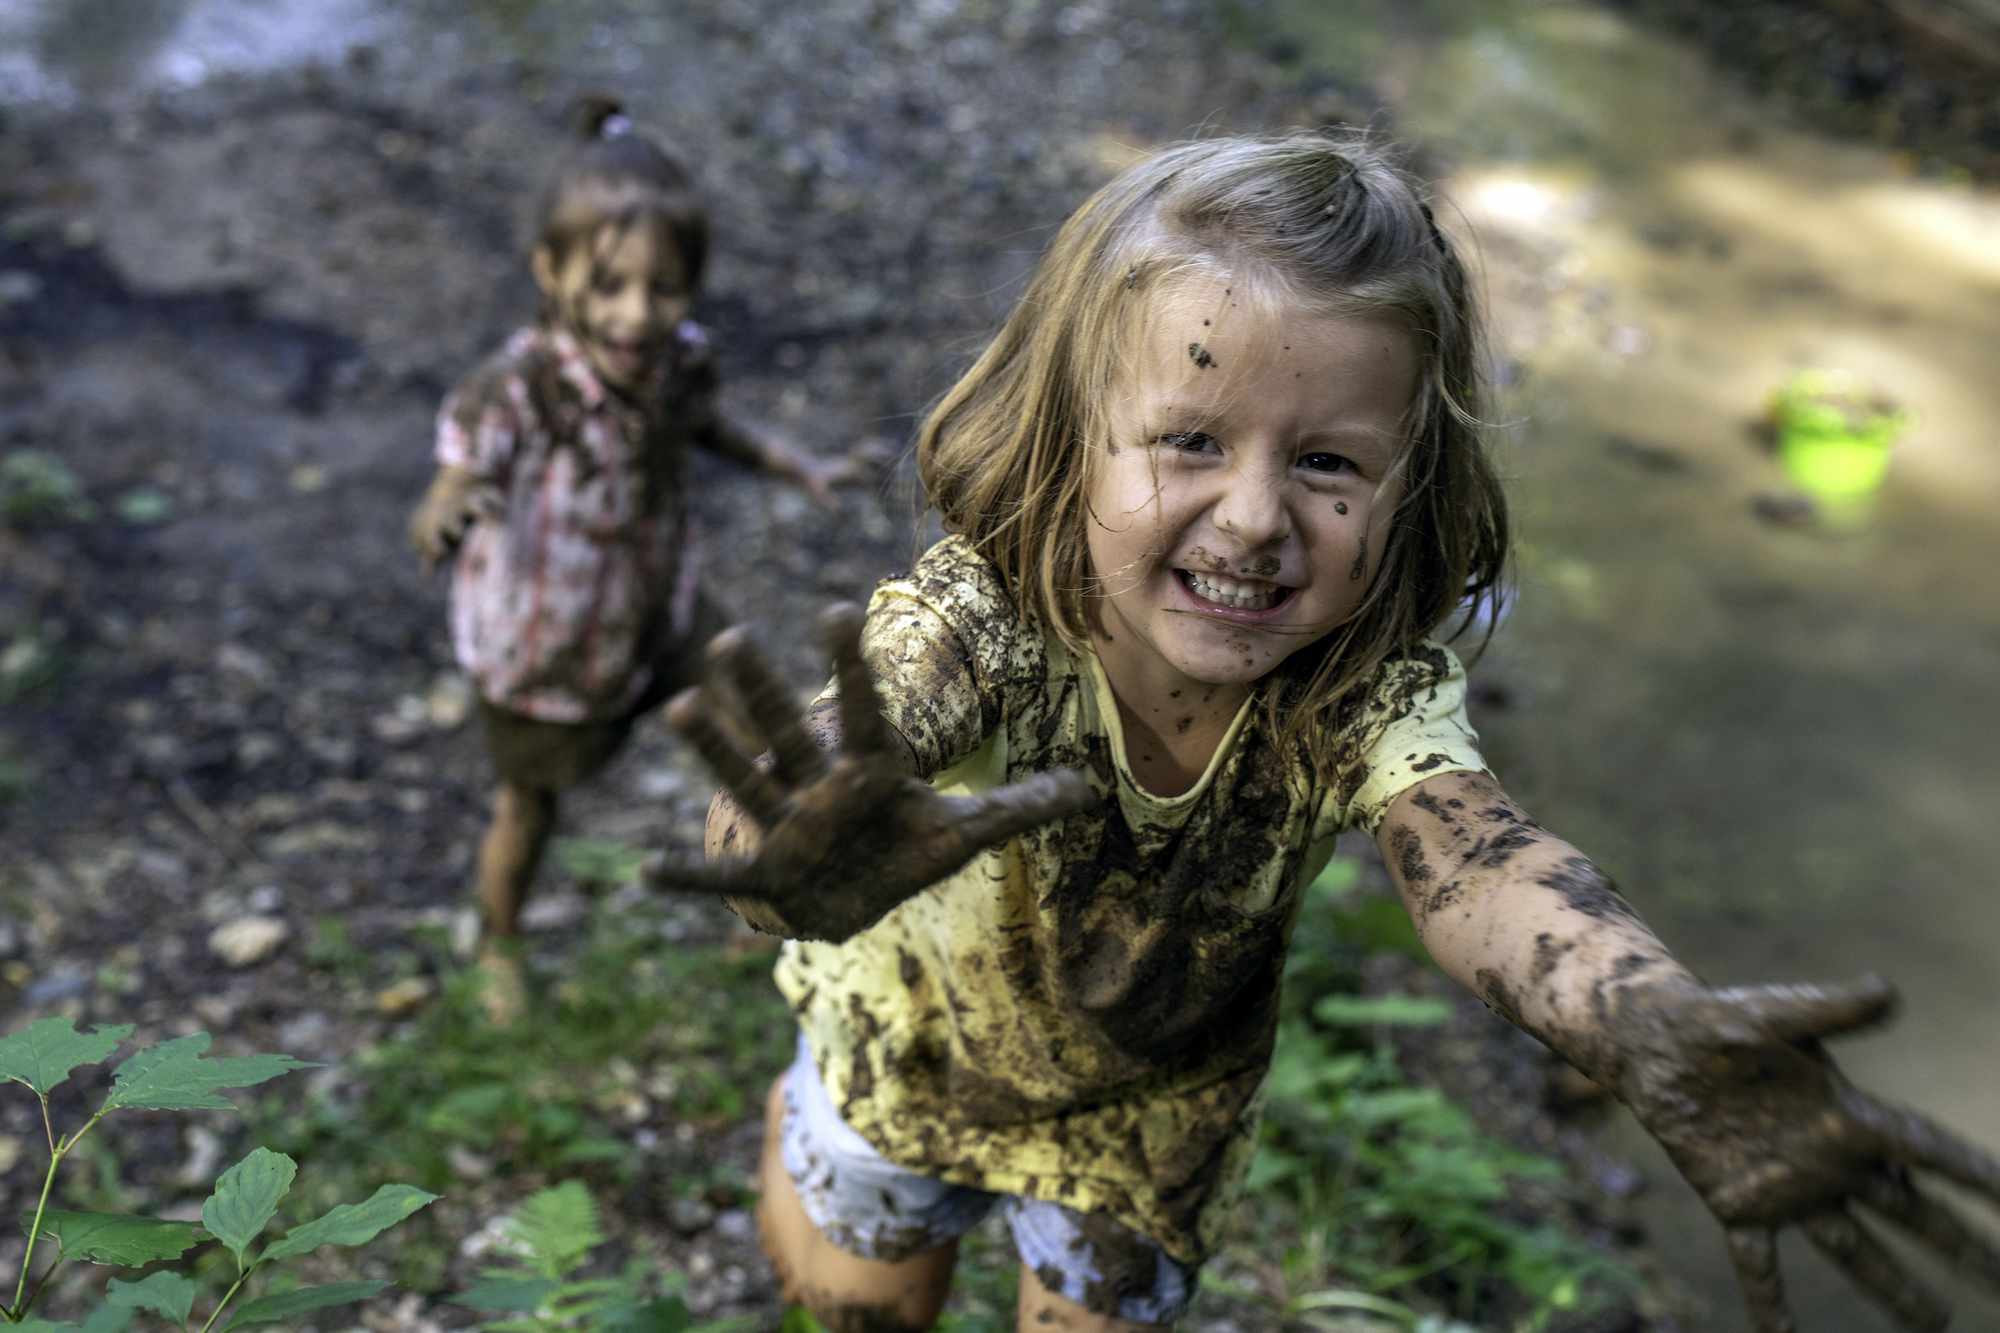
174 1076
43 1055
666 1315
167 1294
504 1294
557 1226
352 1223
281 1307
246 1198
1391 1010
120 1240
104 1319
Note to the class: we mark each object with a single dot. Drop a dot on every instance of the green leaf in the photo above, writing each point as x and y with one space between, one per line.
557 1226
120 1240
173 1076
143 504
352 1223
104 1319
1390 1010
167 1294
503 1294
277 1309
43 1055
246 1198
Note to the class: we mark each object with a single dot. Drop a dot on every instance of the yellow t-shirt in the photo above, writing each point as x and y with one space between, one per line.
1086 1013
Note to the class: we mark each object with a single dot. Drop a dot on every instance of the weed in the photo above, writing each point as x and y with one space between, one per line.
541 1284
37 487
176 1075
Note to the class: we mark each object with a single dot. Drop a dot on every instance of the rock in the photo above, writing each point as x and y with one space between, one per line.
62 983
688 1216
467 1164
735 1224
404 997
204 1147
248 940
448 702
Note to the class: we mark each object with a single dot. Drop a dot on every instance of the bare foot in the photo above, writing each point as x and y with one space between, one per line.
503 990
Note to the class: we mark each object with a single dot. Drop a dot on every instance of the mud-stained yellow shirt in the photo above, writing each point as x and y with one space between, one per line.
1086 1014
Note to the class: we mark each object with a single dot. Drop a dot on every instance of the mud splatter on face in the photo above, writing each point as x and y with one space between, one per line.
1359 570
1198 354
1340 506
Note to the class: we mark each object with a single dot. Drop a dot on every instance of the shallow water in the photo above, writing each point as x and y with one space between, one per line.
1776 738
1779 740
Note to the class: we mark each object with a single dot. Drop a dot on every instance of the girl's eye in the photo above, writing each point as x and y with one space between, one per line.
1327 463
1189 441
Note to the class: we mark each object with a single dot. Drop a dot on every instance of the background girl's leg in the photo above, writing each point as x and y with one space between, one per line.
845 1292
1043 1311
508 856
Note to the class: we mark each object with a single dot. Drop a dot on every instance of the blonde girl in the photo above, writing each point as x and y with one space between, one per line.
1039 849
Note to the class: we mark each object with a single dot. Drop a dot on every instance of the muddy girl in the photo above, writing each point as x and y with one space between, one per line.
1214 492
561 485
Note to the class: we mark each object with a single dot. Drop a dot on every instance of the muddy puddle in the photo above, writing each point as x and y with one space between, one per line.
1776 735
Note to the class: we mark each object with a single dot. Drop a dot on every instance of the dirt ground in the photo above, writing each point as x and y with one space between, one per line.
231 309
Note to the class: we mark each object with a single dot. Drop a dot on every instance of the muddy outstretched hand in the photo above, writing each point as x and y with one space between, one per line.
845 834
1736 1087
455 501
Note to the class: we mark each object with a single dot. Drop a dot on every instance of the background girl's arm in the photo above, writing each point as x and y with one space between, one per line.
767 453
1734 1083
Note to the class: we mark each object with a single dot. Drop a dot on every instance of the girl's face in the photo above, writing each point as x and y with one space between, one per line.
1241 508
621 291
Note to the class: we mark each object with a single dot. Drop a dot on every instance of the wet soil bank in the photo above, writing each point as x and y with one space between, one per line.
230 300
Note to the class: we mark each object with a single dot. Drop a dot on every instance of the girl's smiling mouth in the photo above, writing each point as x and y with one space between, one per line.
1232 598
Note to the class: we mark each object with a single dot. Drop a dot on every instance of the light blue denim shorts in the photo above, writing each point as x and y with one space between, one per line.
867 1205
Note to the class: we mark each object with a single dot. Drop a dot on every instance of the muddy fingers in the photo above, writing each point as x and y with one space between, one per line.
1936 1224
763 798
1881 1277
1753 1252
772 709
1808 1013
998 815
863 730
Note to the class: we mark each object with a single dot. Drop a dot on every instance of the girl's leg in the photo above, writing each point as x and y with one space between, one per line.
1043 1311
508 855
845 1292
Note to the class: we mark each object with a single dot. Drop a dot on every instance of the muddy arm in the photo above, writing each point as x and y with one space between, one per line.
1734 1083
764 452
1519 916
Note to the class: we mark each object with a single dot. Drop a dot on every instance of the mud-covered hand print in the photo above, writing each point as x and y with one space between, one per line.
845 837
1760 1120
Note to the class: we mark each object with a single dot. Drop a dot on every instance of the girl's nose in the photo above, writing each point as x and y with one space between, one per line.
1252 509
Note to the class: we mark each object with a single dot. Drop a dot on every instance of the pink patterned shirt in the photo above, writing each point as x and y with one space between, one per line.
561 609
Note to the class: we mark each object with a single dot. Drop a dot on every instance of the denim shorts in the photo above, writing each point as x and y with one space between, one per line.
868 1206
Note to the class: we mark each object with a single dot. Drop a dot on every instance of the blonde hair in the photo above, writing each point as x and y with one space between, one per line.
1326 221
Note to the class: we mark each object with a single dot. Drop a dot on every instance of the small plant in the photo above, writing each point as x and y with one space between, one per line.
541 1286
177 1075
37 487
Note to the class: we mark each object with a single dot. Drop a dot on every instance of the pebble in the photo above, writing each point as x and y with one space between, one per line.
248 940
403 997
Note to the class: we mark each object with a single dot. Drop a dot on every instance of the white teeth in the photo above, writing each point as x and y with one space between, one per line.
1237 593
